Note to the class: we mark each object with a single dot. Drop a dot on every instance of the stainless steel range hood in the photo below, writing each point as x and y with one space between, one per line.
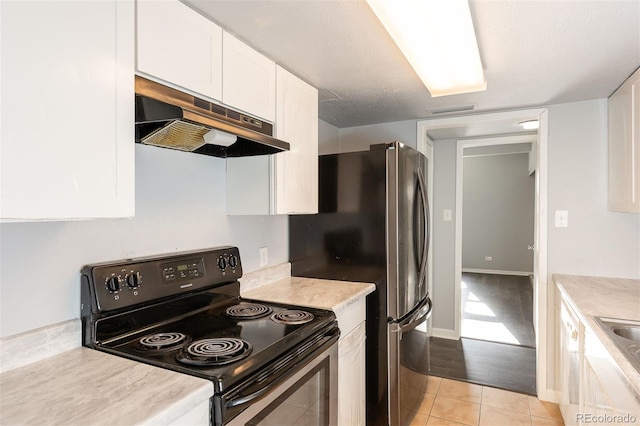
169 118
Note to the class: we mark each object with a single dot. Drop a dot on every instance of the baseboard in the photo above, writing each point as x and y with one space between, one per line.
549 395
497 272
444 333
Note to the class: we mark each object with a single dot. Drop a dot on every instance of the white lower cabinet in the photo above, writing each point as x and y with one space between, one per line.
606 397
67 134
351 364
593 390
571 338
197 416
351 378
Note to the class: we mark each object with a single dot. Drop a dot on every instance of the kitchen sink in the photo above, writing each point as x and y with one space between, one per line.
630 332
626 336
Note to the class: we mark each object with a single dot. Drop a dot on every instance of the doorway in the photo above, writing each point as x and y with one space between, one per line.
447 318
498 194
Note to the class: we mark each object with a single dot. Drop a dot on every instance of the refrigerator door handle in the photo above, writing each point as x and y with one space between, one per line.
421 314
425 248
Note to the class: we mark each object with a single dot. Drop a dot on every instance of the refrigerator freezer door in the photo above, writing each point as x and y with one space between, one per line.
408 364
407 229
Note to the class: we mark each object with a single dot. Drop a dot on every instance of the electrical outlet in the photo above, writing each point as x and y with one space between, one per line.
562 219
488 258
264 256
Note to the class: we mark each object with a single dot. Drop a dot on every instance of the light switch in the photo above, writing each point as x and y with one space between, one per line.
446 215
264 256
562 218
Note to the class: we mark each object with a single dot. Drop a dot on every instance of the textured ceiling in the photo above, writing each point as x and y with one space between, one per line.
533 52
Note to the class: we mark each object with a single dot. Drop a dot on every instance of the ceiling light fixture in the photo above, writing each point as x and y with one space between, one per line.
437 38
529 124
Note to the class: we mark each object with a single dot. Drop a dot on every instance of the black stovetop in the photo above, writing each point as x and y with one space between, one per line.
203 316
193 306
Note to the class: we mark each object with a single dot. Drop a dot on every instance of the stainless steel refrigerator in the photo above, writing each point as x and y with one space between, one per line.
373 226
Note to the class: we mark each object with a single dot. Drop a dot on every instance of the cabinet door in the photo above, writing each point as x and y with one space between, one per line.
297 123
624 146
570 364
178 45
635 166
67 138
287 182
249 79
351 378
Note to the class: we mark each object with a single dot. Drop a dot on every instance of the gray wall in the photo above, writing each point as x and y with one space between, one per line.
180 205
444 197
498 200
597 242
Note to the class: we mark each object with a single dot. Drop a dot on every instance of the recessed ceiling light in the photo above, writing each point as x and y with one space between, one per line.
438 40
529 124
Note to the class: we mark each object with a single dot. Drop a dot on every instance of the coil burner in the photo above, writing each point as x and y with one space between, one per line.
248 311
292 317
209 352
161 342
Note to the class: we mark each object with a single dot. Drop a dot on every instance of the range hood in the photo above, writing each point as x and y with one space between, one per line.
169 118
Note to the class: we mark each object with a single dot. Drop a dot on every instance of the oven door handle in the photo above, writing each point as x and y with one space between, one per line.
280 371
253 396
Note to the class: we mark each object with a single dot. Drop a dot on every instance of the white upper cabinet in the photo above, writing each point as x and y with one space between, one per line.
287 182
296 171
249 79
624 146
179 46
67 137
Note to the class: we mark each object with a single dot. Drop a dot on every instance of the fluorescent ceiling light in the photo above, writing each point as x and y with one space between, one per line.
437 38
529 124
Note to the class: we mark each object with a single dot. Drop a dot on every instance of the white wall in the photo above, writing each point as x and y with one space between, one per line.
597 242
328 138
180 205
360 138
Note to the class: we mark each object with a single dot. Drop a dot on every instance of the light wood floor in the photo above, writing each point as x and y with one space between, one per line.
451 402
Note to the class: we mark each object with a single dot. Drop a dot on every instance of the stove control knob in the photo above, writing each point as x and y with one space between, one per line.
233 261
113 283
222 263
134 279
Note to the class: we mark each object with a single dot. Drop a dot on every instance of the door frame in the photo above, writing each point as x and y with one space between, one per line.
541 308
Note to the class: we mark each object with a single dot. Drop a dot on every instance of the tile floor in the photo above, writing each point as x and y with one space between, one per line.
450 402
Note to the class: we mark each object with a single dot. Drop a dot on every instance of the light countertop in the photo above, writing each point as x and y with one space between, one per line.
605 297
345 298
312 292
82 386
85 387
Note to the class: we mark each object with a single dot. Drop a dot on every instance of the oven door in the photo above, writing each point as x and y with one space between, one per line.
290 392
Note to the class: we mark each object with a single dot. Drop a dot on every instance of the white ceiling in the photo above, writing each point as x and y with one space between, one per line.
534 53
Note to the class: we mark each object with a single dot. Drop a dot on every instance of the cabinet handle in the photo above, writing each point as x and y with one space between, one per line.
574 335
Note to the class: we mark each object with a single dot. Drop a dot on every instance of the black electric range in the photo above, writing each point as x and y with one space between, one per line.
184 312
